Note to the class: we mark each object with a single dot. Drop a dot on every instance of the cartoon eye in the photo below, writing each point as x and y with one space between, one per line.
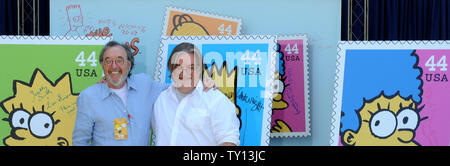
41 125
19 119
278 86
76 18
407 119
383 123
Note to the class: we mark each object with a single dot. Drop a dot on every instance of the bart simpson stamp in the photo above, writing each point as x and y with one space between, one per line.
243 68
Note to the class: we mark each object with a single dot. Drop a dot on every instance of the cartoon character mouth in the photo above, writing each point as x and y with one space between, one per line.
402 141
61 140
278 102
15 136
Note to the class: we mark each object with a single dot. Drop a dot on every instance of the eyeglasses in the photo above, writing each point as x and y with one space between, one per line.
119 61
188 68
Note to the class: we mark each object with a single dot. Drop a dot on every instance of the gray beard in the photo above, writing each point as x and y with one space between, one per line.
120 81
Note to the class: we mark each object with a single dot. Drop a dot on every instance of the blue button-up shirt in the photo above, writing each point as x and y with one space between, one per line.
98 106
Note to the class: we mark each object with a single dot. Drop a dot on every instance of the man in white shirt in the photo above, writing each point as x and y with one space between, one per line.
184 115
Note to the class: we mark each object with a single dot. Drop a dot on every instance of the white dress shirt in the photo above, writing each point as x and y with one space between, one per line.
199 119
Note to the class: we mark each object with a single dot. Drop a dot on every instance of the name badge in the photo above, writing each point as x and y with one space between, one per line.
120 129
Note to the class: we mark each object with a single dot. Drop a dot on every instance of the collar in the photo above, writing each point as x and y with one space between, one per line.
198 89
106 91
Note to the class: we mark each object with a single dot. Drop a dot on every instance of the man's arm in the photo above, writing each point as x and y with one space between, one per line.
208 83
82 132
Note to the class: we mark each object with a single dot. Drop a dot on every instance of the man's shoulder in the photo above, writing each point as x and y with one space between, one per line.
92 91
215 96
215 101
164 95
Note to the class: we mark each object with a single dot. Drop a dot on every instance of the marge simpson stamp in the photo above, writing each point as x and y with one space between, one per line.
392 93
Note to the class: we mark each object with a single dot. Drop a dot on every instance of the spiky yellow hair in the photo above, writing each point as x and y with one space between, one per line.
41 95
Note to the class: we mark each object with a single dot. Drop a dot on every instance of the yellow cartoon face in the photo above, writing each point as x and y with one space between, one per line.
386 121
278 102
184 25
41 114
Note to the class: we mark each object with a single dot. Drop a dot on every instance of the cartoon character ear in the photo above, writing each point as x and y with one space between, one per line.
349 138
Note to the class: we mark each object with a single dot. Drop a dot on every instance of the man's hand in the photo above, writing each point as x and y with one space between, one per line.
227 144
208 83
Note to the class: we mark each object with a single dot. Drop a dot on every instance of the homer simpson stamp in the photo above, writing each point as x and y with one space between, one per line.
186 22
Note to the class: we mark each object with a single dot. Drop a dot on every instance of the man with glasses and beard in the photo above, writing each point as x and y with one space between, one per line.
117 112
